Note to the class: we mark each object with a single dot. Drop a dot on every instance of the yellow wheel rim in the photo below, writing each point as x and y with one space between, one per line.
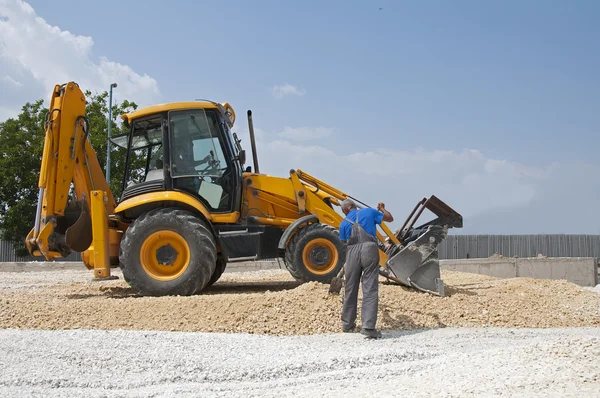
320 256
165 255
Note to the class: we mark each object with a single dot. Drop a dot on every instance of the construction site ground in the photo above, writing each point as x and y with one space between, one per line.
260 333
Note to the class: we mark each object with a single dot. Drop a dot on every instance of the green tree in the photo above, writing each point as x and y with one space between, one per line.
21 146
96 112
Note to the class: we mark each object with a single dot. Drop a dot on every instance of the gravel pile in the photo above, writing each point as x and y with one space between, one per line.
270 302
439 363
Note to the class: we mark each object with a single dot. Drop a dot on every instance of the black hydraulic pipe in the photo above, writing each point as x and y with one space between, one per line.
252 141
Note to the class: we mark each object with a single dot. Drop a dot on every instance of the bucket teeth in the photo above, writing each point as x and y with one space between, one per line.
417 264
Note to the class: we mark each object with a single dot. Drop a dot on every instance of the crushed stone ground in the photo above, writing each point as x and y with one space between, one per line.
271 302
435 363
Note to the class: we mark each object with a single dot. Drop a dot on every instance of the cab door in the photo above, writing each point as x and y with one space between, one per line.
202 161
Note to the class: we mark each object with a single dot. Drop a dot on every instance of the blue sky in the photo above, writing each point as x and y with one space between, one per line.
515 82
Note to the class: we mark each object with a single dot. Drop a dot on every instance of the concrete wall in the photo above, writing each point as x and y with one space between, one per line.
582 271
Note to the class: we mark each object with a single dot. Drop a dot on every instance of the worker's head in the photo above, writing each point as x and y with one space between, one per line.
348 205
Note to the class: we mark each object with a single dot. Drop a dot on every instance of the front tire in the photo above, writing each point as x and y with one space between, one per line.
167 252
315 253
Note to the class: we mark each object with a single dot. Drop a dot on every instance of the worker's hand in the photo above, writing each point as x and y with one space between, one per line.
387 217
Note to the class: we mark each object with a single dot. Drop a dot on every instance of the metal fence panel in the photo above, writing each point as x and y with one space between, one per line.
557 245
454 247
7 254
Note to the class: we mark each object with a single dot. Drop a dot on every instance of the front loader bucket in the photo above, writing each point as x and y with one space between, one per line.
417 265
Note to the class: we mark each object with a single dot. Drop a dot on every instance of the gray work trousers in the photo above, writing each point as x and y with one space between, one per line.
362 259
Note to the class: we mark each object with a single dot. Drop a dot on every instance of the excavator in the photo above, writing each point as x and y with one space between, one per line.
189 205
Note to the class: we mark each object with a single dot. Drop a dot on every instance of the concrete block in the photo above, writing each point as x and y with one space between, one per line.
496 267
582 271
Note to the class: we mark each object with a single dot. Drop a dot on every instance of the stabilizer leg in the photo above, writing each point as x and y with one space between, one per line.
100 251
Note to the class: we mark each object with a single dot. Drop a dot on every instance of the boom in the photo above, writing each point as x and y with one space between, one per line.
62 220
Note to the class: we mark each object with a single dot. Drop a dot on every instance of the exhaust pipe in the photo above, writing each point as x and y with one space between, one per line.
252 141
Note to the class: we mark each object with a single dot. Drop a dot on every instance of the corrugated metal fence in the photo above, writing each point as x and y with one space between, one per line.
7 254
482 246
456 247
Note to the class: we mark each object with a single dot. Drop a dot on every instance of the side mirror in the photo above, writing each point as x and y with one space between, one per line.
242 156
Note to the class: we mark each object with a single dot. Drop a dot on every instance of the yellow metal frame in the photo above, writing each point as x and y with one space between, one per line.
67 157
174 106
280 201
100 247
162 196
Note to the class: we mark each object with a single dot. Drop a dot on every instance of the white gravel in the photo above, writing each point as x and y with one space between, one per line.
442 363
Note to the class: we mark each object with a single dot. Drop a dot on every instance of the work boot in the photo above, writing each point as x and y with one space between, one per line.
371 333
349 329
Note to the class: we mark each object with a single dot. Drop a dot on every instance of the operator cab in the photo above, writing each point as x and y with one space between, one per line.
184 147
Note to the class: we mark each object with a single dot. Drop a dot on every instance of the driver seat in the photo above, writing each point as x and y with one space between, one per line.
156 174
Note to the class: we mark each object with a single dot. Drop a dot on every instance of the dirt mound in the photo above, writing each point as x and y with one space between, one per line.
272 303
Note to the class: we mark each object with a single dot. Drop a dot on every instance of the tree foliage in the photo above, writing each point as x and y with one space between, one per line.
21 146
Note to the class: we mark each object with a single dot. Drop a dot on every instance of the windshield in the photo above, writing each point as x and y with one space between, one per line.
145 154
145 133
197 147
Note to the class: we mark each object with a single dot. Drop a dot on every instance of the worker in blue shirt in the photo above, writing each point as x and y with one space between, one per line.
358 230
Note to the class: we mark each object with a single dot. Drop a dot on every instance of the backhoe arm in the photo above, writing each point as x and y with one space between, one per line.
62 220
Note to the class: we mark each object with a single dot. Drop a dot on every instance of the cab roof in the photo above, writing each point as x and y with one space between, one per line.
171 106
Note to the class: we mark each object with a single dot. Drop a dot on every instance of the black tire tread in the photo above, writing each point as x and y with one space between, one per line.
293 253
202 246
219 269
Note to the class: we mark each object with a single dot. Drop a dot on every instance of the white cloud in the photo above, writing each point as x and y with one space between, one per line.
287 89
401 178
10 80
493 195
35 56
305 133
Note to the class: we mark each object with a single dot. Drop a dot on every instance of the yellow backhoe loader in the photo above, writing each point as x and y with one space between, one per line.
189 206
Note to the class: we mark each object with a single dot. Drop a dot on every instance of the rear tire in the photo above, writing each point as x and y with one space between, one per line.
315 253
219 269
167 252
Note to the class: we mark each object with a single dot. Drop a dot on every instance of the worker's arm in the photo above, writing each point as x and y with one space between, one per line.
387 216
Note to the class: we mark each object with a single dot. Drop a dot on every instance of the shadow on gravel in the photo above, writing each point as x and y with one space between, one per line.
249 287
394 334
450 290
395 321
115 292
457 289
118 292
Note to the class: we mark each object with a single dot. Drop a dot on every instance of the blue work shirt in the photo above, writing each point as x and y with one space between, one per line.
367 218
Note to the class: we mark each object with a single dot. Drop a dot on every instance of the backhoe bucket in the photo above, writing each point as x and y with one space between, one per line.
78 235
416 263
